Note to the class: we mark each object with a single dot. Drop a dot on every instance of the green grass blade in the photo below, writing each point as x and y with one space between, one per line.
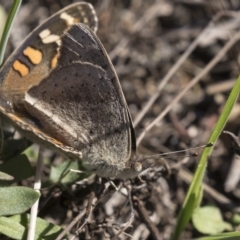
7 28
194 189
222 236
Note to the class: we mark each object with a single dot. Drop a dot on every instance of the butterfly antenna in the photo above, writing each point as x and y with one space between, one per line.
186 150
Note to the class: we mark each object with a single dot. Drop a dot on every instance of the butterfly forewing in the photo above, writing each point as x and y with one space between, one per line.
38 54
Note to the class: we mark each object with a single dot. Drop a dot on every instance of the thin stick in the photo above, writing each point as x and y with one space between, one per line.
82 213
194 81
176 66
155 234
89 209
130 220
151 13
71 225
37 187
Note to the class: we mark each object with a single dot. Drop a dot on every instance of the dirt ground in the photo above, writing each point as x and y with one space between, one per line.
145 39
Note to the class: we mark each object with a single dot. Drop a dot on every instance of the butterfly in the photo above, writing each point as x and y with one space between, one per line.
60 89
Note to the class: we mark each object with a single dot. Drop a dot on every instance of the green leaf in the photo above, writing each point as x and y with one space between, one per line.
208 220
44 229
32 153
15 200
15 227
12 167
222 236
6 133
14 147
236 219
12 229
62 172
199 197
6 177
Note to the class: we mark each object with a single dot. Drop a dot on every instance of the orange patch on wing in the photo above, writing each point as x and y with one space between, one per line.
76 20
34 55
21 68
54 61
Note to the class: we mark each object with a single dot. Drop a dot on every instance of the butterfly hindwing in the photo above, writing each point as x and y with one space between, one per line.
94 116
